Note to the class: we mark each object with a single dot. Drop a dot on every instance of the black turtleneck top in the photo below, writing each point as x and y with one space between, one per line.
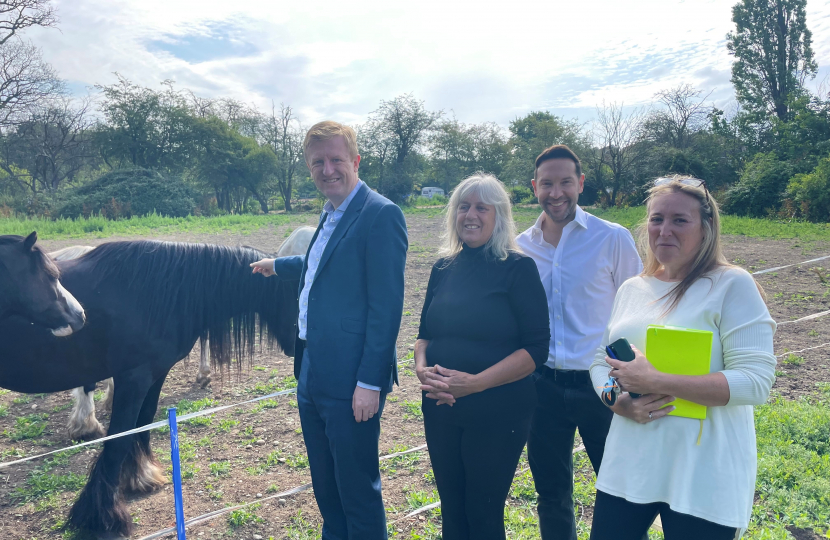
477 311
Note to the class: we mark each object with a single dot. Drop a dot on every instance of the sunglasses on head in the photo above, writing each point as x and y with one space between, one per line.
694 182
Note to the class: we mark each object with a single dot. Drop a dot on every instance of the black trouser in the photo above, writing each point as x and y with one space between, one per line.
567 401
618 519
474 467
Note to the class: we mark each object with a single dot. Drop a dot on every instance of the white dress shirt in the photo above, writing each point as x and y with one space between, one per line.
581 277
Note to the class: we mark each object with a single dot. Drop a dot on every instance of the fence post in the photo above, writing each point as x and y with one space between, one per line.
177 472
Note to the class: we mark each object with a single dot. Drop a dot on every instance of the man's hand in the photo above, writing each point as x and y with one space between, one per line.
264 267
643 409
365 403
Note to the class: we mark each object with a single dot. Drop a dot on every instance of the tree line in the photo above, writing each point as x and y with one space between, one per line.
768 154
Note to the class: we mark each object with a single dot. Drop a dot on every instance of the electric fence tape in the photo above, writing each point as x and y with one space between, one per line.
148 427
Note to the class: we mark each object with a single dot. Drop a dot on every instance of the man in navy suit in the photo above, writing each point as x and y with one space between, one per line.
351 302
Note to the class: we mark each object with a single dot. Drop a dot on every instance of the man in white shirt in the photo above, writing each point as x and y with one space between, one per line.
582 261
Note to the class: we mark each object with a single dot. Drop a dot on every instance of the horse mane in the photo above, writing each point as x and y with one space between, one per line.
203 290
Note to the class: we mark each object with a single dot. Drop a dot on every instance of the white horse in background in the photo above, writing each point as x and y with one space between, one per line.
82 421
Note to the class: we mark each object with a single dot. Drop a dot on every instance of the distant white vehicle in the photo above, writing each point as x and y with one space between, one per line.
430 192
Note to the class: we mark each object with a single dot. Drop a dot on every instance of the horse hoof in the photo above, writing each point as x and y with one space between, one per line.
88 431
203 380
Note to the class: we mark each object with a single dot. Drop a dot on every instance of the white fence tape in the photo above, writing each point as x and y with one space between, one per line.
768 270
148 427
807 318
292 491
154 425
802 350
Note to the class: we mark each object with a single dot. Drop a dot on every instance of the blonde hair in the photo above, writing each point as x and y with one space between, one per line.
329 129
709 257
491 191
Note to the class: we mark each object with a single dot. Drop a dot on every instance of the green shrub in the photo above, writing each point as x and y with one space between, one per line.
760 188
130 192
811 192
521 194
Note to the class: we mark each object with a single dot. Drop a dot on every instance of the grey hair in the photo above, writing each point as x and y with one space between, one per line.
492 192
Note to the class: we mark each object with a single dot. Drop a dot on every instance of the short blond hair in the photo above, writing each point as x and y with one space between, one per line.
329 129
492 192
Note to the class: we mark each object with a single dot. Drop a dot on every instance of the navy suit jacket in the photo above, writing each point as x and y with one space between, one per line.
356 301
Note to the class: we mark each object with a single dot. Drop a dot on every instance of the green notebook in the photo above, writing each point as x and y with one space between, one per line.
680 351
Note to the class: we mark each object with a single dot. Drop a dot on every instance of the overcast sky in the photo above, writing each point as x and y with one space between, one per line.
484 61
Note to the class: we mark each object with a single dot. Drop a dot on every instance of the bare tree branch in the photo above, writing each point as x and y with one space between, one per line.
16 15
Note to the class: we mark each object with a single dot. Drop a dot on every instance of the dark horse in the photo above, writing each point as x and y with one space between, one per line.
29 287
147 303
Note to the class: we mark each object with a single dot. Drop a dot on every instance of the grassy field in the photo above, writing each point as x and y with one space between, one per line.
98 227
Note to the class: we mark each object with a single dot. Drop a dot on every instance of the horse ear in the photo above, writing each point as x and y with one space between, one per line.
29 242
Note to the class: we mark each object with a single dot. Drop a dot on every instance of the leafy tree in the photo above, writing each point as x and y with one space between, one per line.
531 134
760 189
235 167
451 153
773 54
145 128
811 192
400 127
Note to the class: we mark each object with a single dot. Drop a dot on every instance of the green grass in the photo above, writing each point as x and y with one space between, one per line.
244 516
220 468
155 225
413 410
152 225
41 484
793 484
27 427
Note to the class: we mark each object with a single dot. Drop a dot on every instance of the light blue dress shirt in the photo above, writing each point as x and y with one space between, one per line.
332 218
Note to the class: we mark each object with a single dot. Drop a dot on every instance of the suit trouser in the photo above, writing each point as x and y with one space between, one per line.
474 466
343 456
567 401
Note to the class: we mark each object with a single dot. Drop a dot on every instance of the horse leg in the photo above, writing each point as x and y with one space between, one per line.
100 508
203 377
141 471
109 388
82 422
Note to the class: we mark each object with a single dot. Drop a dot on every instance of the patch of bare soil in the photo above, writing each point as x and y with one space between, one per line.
250 452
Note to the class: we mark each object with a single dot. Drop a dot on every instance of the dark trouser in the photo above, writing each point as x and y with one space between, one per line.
567 401
474 467
618 519
343 456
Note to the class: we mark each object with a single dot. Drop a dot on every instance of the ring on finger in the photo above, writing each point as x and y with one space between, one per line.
649 415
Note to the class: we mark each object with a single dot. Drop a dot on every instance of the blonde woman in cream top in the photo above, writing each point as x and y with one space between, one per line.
653 463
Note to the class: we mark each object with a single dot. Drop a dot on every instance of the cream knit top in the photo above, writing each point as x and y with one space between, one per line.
660 461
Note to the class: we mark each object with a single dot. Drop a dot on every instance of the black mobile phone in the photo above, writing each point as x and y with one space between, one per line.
621 350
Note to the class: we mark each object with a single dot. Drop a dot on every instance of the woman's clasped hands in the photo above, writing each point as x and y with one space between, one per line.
446 385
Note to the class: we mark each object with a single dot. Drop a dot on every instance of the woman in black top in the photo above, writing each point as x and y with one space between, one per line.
484 330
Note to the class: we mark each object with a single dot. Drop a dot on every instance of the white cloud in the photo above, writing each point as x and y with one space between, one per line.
484 60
